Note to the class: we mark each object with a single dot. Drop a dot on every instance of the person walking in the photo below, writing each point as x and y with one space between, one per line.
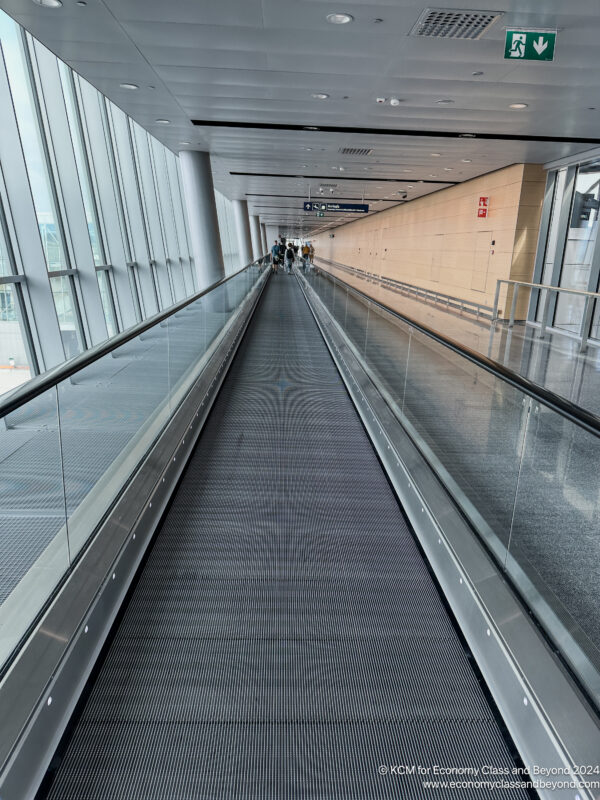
305 254
289 259
311 253
275 256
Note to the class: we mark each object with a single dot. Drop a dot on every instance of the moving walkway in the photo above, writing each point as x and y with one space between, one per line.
270 587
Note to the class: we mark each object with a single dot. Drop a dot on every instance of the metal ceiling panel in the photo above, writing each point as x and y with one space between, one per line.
260 60
186 12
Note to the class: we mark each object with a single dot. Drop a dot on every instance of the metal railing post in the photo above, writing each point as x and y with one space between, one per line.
513 305
586 324
496 300
545 309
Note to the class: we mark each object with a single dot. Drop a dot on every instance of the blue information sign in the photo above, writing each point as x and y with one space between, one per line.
360 208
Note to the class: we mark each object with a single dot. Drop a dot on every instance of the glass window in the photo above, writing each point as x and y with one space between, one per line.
552 242
149 205
83 166
108 301
181 220
129 187
135 291
63 292
579 249
24 100
166 210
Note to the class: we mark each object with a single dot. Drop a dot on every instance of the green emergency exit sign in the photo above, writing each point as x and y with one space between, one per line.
529 45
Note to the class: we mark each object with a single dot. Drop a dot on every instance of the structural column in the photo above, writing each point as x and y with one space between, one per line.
263 238
242 225
272 232
255 236
199 193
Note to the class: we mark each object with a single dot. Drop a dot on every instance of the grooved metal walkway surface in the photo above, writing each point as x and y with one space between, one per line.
285 639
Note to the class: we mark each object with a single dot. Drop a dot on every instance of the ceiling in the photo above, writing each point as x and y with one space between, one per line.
259 61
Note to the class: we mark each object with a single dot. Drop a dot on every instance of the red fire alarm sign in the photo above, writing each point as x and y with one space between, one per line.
482 212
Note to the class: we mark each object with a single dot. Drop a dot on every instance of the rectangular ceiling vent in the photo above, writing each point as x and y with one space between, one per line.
355 151
444 23
328 185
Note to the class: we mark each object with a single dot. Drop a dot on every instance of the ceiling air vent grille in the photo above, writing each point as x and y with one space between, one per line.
444 23
356 151
328 185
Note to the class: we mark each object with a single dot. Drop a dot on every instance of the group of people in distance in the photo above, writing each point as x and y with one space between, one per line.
286 254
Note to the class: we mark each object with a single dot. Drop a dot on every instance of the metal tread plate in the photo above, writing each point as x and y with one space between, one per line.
285 638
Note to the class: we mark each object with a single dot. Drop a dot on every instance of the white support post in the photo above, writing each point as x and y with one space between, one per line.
199 194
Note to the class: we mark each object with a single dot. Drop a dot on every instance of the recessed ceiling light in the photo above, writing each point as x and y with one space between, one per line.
380 100
184 143
395 101
81 3
435 155
320 96
129 86
433 176
310 128
340 18
518 105
477 74
448 169
163 121
304 166
466 160
445 102
377 20
410 186
48 3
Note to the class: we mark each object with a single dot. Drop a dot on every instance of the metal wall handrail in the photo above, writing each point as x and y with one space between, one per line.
41 383
574 413
451 301
546 290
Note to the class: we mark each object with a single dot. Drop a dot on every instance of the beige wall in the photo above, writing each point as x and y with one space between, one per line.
439 243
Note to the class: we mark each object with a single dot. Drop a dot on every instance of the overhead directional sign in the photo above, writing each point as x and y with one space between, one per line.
530 45
357 208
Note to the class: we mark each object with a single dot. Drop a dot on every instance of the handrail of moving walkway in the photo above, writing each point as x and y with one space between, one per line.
580 416
41 383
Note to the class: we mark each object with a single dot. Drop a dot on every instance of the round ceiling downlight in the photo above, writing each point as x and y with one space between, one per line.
48 3
340 18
